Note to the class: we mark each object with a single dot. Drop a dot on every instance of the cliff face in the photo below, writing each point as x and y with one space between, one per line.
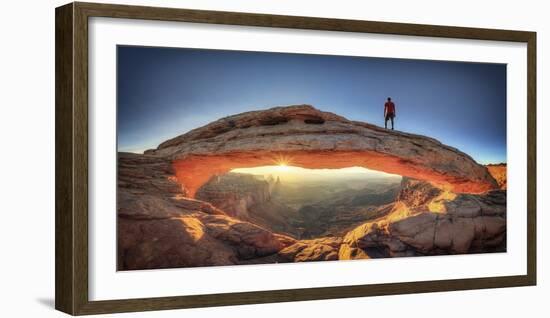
248 198
310 138
235 193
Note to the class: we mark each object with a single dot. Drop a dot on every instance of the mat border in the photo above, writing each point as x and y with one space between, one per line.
71 157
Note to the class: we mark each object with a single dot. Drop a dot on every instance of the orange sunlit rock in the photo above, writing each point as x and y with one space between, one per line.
498 172
463 223
303 136
438 204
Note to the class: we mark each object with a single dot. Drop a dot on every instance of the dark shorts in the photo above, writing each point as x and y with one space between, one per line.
390 116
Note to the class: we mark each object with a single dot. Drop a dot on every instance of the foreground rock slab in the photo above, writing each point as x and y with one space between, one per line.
425 222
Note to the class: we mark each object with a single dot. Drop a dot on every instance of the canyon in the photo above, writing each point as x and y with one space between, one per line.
180 205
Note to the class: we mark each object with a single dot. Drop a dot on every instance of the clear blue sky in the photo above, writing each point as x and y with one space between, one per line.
165 92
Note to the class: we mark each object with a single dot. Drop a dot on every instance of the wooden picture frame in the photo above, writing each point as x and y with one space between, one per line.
72 280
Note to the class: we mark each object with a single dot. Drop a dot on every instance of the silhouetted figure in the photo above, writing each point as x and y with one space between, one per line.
389 113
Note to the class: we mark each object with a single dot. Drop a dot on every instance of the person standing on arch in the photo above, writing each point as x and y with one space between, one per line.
389 113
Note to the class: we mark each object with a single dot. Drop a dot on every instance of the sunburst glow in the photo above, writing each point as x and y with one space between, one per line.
282 167
282 161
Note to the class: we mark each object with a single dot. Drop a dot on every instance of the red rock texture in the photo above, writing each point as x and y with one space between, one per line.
305 137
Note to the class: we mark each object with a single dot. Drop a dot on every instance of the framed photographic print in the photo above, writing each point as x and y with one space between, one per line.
211 158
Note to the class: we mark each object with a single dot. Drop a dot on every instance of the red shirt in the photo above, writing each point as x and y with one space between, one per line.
389 108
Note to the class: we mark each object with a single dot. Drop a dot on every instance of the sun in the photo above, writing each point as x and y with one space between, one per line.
282 167
282 162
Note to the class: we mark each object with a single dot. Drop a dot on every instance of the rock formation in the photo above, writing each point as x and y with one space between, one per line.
430 221
448 204
306 137
498 171
158 227
321 249
248 198
235 193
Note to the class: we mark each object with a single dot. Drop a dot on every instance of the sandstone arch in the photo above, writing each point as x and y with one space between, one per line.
306 137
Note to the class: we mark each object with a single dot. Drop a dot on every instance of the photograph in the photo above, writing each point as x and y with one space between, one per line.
239 157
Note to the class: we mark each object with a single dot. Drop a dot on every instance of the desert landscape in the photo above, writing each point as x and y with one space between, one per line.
223 194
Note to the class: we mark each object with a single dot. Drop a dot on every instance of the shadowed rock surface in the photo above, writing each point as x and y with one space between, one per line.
310 138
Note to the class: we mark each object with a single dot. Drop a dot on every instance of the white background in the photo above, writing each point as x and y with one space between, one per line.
106 283
27 164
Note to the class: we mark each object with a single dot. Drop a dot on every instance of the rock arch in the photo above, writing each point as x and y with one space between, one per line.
306 137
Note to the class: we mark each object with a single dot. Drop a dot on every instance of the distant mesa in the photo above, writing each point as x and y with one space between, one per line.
307 137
